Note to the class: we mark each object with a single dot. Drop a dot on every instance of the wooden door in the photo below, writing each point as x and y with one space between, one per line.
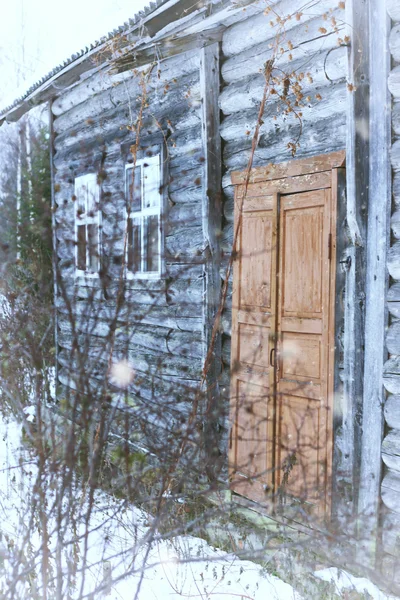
303 346
283 337
253 341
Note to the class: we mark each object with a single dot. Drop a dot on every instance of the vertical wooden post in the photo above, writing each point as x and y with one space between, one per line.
379 200
210 84
357 151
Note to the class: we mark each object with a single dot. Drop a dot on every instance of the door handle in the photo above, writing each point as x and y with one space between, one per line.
273 354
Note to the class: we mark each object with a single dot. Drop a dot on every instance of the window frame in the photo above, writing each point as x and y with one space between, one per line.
145 212
86 220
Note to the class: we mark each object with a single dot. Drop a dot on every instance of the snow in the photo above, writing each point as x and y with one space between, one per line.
342 580
123 547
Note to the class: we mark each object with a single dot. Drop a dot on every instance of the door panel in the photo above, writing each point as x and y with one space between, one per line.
281 314
253 335
302 377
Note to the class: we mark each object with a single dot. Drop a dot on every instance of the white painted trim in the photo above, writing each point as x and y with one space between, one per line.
87 179
146 212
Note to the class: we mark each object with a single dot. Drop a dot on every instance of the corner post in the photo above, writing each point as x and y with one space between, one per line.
379 201
211 211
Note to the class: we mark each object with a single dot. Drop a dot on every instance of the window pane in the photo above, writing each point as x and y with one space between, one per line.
93 243
151 253
81 192
151 174
81 253
134 245
133 187
92 199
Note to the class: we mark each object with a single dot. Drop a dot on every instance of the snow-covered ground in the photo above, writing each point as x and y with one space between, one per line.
123 548
126 557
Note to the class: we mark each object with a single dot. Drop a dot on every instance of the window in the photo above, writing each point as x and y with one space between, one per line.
87 222
142 186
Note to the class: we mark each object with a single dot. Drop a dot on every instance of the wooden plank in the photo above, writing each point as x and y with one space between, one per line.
393 9
212 214
339 480
378 231
251 410
303 166
392 412
357 174
295 184
250 32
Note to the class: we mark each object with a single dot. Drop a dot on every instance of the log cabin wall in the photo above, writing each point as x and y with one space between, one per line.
160 322
391 443
246 46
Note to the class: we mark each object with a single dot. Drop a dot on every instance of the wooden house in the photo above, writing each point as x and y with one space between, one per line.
152 130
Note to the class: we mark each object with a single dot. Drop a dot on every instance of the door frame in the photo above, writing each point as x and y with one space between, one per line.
318 172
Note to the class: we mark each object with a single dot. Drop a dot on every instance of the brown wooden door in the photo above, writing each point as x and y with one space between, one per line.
253 334
283 290
303 346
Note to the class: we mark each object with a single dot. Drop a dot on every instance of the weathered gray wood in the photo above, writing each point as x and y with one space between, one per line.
394 82
379 204
252 31
396 118
171 111
392 412
395 224
167 70
324 135
393 261
343 428
306 39
211 218
184 243
391 450
394 42
243 95
393 9
391 534
391 491
334 102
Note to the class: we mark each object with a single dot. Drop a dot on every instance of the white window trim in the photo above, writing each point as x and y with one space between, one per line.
86 220
144 212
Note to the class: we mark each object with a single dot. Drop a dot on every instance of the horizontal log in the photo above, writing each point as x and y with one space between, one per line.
392 412
185 242
129 94
393 8
167 70
394 309
391 450
396 189
308 44
334 101
394 42
391 375
251 32
391 491
394 293
396 118
182 318
391 534
325 135
187 215
176 115
394 82
393 261
158 340
395 224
